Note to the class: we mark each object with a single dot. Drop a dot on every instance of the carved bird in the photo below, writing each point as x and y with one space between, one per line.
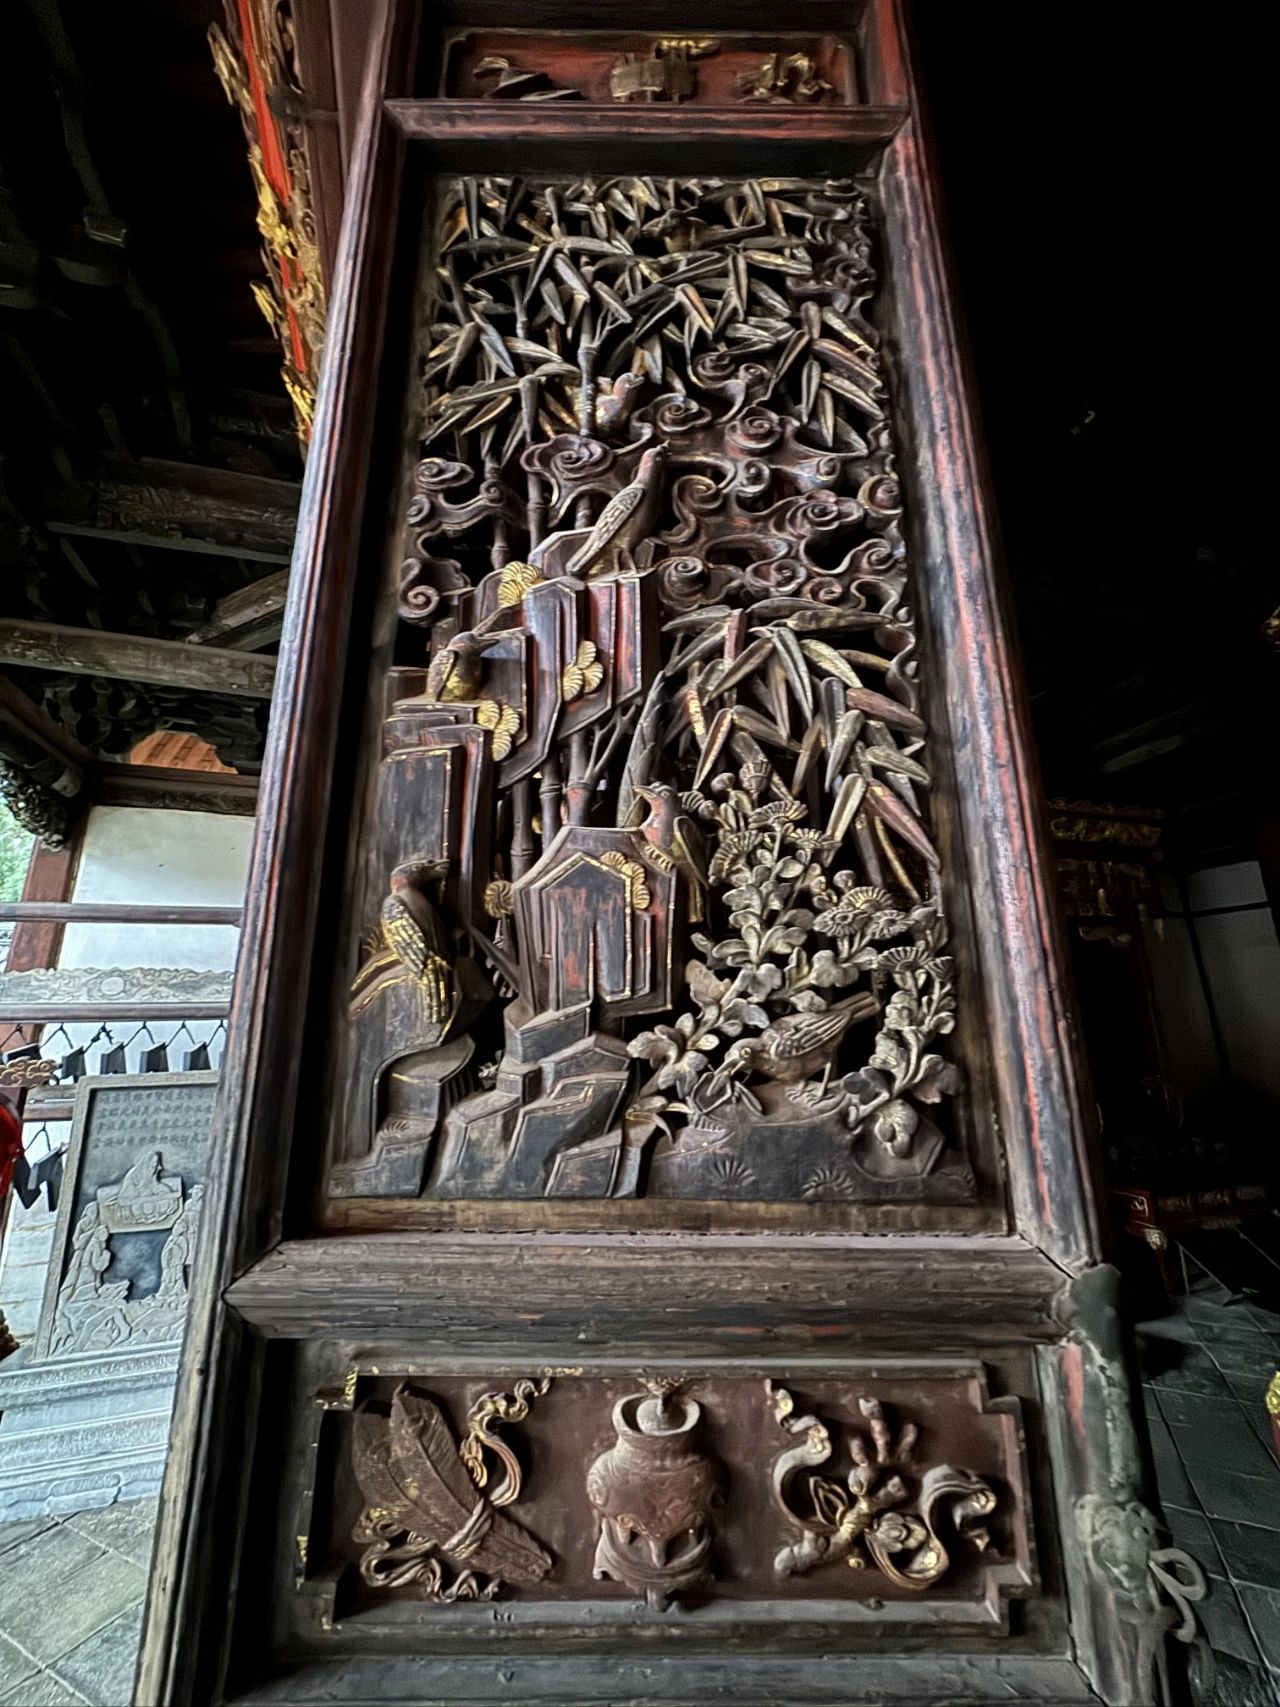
613 407
674 840
795 1046
454 673
626 518
412 930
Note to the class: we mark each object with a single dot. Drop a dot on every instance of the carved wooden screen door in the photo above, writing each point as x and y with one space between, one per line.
653 1253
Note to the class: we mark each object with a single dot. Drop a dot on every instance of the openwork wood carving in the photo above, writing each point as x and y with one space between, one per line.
885 1513
432 1520
659 905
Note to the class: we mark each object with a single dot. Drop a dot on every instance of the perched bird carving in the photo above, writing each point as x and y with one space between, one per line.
674 840
454 673
795 1046
413 932
614 404
626 519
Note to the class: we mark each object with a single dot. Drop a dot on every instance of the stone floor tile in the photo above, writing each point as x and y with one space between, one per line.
1174 1327
102 1668
1250 1387
1172 1482
15 1664
84 1602
127 1528
47 1562
22 1530
45 1690
1223 1622
1235 1684
1235 1357
1250 1553
1192 1375
1262 1609
1192 1531
1209 1414
1232 1444
1240 1499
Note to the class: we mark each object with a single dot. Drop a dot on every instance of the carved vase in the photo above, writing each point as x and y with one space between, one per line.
655 1490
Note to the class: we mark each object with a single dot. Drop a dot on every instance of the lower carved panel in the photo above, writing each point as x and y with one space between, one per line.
883 1495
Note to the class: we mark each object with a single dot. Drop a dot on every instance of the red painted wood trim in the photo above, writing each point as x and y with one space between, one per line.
50 877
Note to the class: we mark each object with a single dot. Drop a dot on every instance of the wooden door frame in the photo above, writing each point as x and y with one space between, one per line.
1037 1284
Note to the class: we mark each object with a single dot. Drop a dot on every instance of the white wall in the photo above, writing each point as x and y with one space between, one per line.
1241 956
152 857
156 858
131 854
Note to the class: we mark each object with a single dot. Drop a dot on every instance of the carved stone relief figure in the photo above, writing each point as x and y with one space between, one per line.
662 908
94 1312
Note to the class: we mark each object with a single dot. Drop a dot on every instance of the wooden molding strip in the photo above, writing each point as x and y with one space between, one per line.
840 1294
93 993
116 913
135 658
466 123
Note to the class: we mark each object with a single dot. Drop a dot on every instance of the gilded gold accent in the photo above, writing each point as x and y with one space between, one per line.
791 78
584 675
502 721
514 583
884 1513
500 898
484 1416
635 876
292 299
1272 1399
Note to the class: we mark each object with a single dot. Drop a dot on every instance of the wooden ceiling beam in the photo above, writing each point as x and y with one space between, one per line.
252 616
182 507
135 658
223 792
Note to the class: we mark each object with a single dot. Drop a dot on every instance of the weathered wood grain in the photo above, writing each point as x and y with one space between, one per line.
179 791
463 124
706 1291
679 1681
185 508
134 658
1035 1063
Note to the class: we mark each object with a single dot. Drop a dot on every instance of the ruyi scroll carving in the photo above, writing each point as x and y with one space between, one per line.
658 906
881 1515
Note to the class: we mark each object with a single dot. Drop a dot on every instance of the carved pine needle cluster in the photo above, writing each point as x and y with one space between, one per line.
673 388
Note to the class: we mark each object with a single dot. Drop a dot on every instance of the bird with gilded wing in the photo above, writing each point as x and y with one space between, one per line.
630 516
413 932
